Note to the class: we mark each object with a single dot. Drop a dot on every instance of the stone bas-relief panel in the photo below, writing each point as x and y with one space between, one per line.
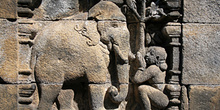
76 54
67 50
201 59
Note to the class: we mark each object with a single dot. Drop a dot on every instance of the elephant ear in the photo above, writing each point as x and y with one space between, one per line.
89 32
106 10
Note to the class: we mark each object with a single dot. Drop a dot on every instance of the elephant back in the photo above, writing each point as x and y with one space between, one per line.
63 47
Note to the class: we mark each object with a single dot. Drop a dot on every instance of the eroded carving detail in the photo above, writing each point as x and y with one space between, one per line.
61 55
86 49
150 78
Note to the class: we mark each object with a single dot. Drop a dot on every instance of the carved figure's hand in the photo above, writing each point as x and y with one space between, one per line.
140 60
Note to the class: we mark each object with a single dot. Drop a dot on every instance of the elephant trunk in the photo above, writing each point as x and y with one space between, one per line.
119 94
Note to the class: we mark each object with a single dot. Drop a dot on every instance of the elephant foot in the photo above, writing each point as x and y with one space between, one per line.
49 92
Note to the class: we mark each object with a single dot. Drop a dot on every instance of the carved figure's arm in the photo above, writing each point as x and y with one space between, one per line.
141 76
158 79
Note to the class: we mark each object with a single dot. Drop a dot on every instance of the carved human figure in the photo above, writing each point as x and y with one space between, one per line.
152 72
65 51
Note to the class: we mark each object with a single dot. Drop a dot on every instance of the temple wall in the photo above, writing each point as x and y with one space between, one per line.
81 54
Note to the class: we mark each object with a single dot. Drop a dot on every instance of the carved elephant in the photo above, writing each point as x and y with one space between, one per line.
65 51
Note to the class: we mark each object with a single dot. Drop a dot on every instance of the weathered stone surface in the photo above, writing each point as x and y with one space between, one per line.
201 59
8 51
24 56
8 9
204 97
27 96
106 10
66 100
56 9
202 11
69 50
117 1
172 29
184 99
8 96
118 39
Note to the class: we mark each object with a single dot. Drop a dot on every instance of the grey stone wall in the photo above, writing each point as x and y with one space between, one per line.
201 48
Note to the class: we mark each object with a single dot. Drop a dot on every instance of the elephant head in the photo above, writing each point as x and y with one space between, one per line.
114 33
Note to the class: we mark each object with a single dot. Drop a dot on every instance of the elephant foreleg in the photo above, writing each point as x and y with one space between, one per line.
97 94
48 94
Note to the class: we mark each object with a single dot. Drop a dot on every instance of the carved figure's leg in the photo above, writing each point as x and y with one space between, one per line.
48 94
97 93
151 96
158 98
143 93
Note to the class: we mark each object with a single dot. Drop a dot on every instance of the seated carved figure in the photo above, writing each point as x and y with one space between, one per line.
154 75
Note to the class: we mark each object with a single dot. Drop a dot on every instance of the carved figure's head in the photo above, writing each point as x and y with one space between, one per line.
156 56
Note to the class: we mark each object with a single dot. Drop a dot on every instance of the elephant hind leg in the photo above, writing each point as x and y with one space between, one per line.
48 94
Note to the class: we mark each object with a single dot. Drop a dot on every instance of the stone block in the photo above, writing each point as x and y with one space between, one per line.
8 96
117 1
52 10
184 99
8 9
8 51
106 10
202 11
201 59
204 97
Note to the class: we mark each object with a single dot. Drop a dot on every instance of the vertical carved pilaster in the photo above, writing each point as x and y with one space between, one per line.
173 31
26 86
23 8
26 34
